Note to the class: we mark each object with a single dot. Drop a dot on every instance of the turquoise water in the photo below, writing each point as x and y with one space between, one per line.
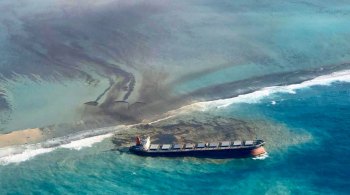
163 42
318 166
57 55
40 103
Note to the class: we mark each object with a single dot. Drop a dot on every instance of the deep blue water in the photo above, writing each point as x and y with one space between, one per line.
319 165
325 113
177 47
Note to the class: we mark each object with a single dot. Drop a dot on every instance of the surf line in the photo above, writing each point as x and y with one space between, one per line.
24 153
257 96
18 154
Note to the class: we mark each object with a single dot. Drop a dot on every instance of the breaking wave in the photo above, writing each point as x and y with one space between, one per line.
88 138
257 96
18 154
261 157
87 142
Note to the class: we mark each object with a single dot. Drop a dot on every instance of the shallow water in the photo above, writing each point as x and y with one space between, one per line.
313 167
41 103
164 51
164 55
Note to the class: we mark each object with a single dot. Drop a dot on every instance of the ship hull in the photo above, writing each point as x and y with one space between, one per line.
204 153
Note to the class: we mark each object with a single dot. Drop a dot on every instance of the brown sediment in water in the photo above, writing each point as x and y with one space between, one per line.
67 55
26 136
187 129
199 127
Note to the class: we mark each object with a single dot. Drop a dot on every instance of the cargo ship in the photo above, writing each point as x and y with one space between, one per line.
223 149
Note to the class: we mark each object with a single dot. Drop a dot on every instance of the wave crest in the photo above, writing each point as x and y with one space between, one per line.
257 96
18 154
88 138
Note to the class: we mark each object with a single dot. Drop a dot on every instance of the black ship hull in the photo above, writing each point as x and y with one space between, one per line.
218 153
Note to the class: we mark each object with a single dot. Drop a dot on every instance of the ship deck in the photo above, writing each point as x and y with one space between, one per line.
224 145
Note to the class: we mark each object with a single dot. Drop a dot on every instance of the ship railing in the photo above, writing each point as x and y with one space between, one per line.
204 146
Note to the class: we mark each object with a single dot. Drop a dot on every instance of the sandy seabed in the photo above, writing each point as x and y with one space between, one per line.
26 136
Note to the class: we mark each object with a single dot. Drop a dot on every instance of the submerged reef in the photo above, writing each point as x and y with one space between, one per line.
204 127
194 129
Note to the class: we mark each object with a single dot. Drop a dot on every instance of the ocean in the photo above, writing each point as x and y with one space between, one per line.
313 162
78 80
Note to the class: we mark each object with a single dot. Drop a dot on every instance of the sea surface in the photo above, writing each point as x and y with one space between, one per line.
316 165
84 70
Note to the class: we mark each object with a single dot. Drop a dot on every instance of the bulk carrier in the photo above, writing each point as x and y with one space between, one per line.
223 149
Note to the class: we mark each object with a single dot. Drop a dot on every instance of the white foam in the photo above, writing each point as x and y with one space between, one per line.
161 119
261 157
28 153
20 154
88 138
86 142
257 96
